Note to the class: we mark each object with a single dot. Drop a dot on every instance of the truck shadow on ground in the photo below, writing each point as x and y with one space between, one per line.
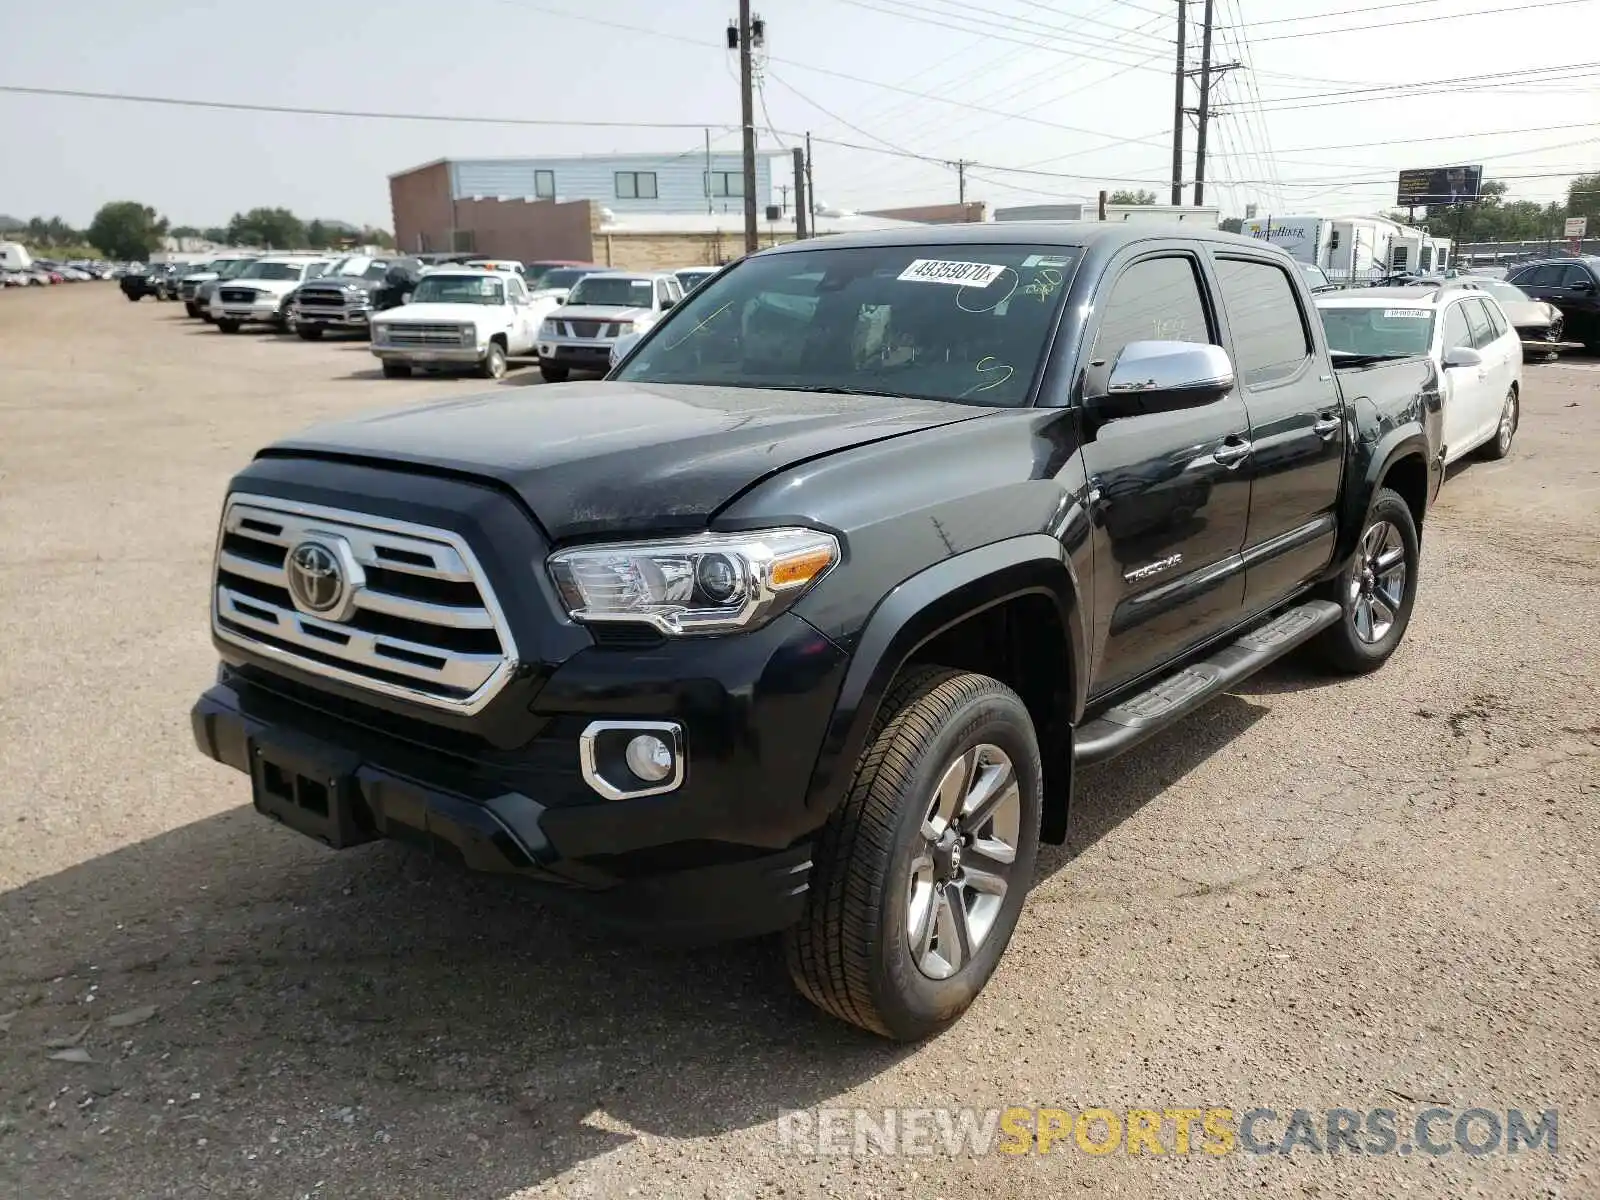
383 1025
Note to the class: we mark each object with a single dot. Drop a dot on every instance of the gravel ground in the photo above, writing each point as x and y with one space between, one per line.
1314 894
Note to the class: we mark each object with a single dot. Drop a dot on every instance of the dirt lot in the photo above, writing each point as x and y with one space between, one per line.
1315 894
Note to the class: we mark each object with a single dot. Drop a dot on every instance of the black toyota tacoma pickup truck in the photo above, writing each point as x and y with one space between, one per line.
804 617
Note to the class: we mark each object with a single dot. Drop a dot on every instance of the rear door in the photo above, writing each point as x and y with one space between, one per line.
1297 431
1464 387
1171 497
1496 368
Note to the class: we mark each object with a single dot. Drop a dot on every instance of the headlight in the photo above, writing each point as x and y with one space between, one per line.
380 333
711 583
469 335
547 329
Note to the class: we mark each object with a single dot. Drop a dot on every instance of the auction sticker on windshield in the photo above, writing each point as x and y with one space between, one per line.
1416 314
961 274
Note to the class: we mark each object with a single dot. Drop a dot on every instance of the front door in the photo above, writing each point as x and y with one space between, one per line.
1169 493
1297 430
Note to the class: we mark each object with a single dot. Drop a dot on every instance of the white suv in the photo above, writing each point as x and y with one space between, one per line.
1465 332
259 294
460 317
601 309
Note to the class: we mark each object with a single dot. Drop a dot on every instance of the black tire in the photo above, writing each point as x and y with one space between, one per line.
851 954
1499 445
553 373
1347 646
493 365
309 333
227 326
132 296
396 370
191 308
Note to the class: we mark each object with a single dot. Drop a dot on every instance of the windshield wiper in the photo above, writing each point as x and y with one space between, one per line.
846 391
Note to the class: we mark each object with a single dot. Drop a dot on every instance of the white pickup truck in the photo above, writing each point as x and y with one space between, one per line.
461 317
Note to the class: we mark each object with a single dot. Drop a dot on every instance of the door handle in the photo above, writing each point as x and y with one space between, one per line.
1231 453
1326 427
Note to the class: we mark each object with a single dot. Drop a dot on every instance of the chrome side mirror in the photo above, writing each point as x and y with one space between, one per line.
1158 376
1462 356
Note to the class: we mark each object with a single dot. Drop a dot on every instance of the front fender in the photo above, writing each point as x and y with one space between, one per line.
918 610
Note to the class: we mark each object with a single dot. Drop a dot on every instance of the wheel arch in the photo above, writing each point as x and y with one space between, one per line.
1017 599
1401 462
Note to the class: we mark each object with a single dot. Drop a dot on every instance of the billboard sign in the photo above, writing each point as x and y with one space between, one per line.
1440 185
1576 227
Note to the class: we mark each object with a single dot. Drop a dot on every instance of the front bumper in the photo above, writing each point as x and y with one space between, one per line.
581 356
349 318
324 778
268 309
463 356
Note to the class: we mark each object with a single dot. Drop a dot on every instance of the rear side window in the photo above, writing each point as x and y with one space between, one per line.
1548 275
1497 319
1575 276
1156 300
1478 322
1456 333
1270 340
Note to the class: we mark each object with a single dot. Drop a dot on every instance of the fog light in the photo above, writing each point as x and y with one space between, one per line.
649 758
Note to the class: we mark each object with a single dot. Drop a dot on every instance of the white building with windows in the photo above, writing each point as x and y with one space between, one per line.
655 183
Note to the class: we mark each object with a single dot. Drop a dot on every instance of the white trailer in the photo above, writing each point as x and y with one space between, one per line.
1359 247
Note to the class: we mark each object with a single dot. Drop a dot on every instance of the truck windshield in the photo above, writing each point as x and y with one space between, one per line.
270 270
613 291
963 322
459 289
558 277
232 268
1376 331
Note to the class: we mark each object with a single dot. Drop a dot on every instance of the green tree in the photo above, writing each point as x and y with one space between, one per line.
275 227
1139 197
126 229
381 238
1233 225
1583 200
317 235
185 231
216 234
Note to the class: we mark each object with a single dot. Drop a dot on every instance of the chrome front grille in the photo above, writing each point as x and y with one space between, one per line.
321 298
590 330
187 288
230 295
424 335
417 618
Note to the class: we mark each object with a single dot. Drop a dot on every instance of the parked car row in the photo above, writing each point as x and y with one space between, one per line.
430 312
18 268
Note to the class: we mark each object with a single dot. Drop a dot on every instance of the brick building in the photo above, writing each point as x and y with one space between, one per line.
631 210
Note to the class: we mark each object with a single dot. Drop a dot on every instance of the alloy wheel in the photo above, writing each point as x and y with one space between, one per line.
967 844
1508 422
1379 587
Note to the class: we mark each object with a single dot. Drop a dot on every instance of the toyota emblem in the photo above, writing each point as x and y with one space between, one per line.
315 580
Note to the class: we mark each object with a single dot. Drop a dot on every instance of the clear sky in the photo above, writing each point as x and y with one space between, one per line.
1079 87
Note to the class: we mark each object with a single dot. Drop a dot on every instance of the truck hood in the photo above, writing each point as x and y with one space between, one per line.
428 314
272 287
360 282
611 458
600 312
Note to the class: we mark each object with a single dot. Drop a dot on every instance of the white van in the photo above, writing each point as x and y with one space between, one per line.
14 257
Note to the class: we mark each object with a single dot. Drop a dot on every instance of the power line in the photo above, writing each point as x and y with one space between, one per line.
1481 12
913 13
359 114
1354 12
955 10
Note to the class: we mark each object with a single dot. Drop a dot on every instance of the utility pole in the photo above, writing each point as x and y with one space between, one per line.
1177 112
784 204
747 117
961 180
811 190
802 200
1205 110
710 208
